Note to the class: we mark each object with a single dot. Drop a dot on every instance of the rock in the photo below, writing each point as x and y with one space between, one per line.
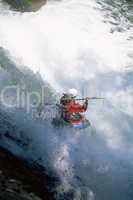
37 4
25 5
20 182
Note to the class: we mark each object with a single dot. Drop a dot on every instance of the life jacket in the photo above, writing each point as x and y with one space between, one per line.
71 112
74 107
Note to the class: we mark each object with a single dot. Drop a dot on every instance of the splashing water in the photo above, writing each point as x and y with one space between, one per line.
71 45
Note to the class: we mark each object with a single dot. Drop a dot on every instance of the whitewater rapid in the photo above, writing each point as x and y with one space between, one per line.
68 35
70 45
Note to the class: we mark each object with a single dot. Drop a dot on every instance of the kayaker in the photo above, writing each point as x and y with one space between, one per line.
71 108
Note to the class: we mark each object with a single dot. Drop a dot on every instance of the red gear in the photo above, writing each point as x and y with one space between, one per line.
74 107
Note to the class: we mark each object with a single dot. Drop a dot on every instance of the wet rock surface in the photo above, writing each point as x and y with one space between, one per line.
19 182
25 5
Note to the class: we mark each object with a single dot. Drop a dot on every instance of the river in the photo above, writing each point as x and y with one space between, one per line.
87 45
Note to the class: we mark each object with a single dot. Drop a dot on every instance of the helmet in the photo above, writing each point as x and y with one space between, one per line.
73 92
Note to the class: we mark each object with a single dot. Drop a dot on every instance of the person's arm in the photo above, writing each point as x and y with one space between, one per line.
85 105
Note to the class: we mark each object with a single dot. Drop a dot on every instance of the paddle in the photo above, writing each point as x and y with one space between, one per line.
90 98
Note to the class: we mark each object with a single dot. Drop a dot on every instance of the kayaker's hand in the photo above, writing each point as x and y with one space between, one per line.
86 100
86 103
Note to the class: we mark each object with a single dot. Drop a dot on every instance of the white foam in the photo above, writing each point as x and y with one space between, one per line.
65 40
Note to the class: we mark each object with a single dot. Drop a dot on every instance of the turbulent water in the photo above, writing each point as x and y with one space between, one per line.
88 45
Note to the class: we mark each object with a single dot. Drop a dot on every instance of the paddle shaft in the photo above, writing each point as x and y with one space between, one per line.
89 98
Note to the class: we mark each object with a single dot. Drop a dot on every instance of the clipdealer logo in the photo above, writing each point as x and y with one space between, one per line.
18 97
